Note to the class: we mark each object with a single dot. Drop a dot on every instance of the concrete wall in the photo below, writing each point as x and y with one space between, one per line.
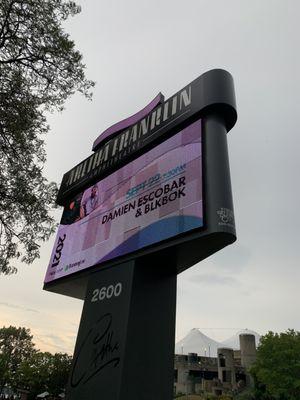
248 350
226 367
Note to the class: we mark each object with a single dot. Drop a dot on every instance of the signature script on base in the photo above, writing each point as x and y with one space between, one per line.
97 351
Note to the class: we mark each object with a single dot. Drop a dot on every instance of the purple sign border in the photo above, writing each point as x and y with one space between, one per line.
127 122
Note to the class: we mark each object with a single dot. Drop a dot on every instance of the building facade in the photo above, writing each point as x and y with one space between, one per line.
226 373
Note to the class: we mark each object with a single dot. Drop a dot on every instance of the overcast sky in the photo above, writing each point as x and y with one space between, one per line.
137 48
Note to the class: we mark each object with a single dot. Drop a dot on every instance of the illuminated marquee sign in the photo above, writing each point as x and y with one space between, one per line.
151 199
155 180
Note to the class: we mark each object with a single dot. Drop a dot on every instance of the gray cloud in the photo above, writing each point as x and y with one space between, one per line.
238 257
18 307
213 279
57 340
58 343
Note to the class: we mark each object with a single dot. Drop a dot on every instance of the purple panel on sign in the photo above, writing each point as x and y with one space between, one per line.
127 122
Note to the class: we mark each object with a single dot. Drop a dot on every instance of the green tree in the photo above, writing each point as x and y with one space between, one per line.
16 346
33 374
39 69
277 369
43 371
61 367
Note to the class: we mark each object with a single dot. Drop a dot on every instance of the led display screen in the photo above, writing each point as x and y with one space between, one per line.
151 199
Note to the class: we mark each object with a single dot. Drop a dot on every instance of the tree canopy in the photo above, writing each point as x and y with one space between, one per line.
42 372
16 346
22 366
39 69
277 368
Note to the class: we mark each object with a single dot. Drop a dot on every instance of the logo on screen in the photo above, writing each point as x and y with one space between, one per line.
58 250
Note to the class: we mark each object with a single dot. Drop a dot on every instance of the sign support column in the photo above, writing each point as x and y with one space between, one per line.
125 343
